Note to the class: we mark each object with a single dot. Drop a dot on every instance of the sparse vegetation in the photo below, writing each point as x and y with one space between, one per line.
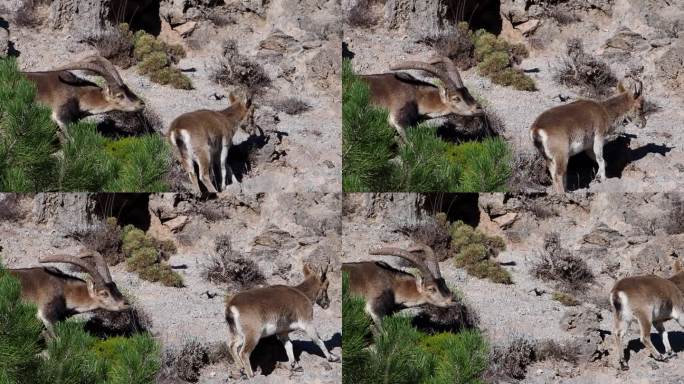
497 59
455 43
28 148
433 231
399 353
116 45
511 361
26 15
565 299
291 106
74 356
585 72
227 266
474 251
106 239
236 69
144 255
156 59
569 272
373 162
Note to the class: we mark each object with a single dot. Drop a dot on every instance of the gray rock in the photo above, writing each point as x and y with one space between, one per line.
670 66
83 18
69 213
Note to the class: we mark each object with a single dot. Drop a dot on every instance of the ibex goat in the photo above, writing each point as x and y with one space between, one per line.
387 289
651 300
72 98
58 295
410 100
276 310
566 130
204 138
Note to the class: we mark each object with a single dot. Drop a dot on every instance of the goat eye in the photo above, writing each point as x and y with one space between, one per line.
456 98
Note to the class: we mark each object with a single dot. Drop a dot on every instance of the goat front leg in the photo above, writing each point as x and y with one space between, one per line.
287 343
313 335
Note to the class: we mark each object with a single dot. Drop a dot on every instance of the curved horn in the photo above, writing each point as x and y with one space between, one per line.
429 68
451 68
407 255
429 259
92 271
96 64
100 263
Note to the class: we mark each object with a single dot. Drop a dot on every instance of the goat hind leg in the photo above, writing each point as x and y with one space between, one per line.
313 335
645 329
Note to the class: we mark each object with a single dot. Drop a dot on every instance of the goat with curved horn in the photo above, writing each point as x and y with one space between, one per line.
71 98
387 289
58 295
410 100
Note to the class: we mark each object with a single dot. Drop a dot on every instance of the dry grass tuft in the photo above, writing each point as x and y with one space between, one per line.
227 266
570 273
235 69
291 106
581 70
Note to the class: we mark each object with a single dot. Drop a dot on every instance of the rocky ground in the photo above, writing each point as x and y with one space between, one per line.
277 231
632 36
300 55
617 235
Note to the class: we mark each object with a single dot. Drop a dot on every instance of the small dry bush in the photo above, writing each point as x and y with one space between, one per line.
126 323
291 106
361 14
581 70
115 44
106 239
227 266
474 251
452 319
455 43
156 59
565 299
512 360
434 232
498 59
10 210
562 16
27 16
234 69
529 173
570 273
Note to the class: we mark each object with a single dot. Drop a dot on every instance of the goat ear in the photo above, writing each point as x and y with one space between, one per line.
637 89
677 266
620 87
308 271
90 284
232 98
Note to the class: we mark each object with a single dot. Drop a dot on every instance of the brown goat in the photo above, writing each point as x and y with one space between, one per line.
58 295
276 310
651 300
583 125
386 289
410 100
204 138
72 98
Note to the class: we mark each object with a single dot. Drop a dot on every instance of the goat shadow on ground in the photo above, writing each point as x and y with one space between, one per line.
270 351
617 154
464 129
676 342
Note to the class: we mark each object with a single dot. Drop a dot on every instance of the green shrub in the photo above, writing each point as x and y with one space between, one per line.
28 138
496 59
20 332
461 358
156 58
425 166
143 163
84 165
355 334
367 139
474 251
144 255
134 360
485 165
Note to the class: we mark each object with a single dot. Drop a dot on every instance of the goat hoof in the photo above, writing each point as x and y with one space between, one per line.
333 358
624 366
296 368
659 357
